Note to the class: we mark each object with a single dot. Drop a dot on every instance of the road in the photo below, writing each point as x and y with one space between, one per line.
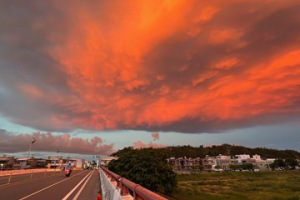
51 186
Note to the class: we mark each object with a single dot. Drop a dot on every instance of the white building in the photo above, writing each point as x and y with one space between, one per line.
242 158
106 160
223 161
76 162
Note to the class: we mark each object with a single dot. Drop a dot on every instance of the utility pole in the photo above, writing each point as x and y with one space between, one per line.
29 150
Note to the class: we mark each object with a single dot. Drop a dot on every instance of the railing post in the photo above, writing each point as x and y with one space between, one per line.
9 179
124 189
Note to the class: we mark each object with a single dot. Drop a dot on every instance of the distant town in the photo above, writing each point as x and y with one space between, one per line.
225 157
220 163
180 162
52 162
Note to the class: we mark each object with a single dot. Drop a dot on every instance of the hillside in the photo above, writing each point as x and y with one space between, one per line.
225 149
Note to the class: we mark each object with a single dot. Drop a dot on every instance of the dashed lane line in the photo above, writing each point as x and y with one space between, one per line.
83 186
71 192
49 186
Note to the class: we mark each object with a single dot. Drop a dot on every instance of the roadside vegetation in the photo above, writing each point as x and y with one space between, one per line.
272 185
225 149
147 168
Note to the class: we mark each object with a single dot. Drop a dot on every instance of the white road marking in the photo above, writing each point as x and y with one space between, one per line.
79 192
70 193
48 187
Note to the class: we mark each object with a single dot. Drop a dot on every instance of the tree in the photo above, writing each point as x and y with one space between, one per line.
278 164
247 166
147 168
244 166
292 163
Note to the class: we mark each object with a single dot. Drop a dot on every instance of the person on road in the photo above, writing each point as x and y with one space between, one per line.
69 166
68 169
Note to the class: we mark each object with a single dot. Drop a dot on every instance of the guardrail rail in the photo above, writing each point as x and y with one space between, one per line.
127 188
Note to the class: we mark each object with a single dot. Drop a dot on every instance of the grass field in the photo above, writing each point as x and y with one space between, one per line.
277 185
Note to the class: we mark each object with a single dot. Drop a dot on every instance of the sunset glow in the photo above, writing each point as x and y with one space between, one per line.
187 66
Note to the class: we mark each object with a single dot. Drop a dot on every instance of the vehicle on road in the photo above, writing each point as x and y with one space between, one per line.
68 170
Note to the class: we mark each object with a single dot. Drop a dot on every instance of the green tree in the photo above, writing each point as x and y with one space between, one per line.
247 166
235 167
292 163
147 168
278 164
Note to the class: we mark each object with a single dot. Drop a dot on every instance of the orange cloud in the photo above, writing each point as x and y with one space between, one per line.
227 63
155 136
187 66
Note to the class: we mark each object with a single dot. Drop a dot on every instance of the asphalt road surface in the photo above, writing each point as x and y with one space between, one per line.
50 186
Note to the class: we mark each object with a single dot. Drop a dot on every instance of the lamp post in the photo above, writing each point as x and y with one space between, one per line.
59 162
33 141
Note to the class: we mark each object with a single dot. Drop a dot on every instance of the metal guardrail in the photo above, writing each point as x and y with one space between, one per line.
128 187
9 174
26 171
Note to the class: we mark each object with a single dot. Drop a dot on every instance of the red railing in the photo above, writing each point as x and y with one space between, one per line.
130 188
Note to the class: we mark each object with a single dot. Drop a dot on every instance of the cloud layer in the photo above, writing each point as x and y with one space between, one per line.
141 145
11 143
186 66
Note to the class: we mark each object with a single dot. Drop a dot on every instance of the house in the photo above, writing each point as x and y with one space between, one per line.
185 164
208 162
242 158
262 165
223 162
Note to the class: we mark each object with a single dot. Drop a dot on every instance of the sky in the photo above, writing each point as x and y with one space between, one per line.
94 76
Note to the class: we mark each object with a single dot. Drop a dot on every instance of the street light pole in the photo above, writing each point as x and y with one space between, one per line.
29 150
28 156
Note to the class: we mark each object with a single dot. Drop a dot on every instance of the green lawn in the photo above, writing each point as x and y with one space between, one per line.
239 186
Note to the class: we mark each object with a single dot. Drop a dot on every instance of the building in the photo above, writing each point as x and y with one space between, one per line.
261 165
6 162
242 158
208 162
55 162
76 162
25 163
223 162
106 160
218 163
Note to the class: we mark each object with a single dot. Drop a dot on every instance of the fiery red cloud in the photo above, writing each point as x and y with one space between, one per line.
188 66
10 143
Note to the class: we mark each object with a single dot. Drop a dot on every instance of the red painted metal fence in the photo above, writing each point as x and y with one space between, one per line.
127 187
